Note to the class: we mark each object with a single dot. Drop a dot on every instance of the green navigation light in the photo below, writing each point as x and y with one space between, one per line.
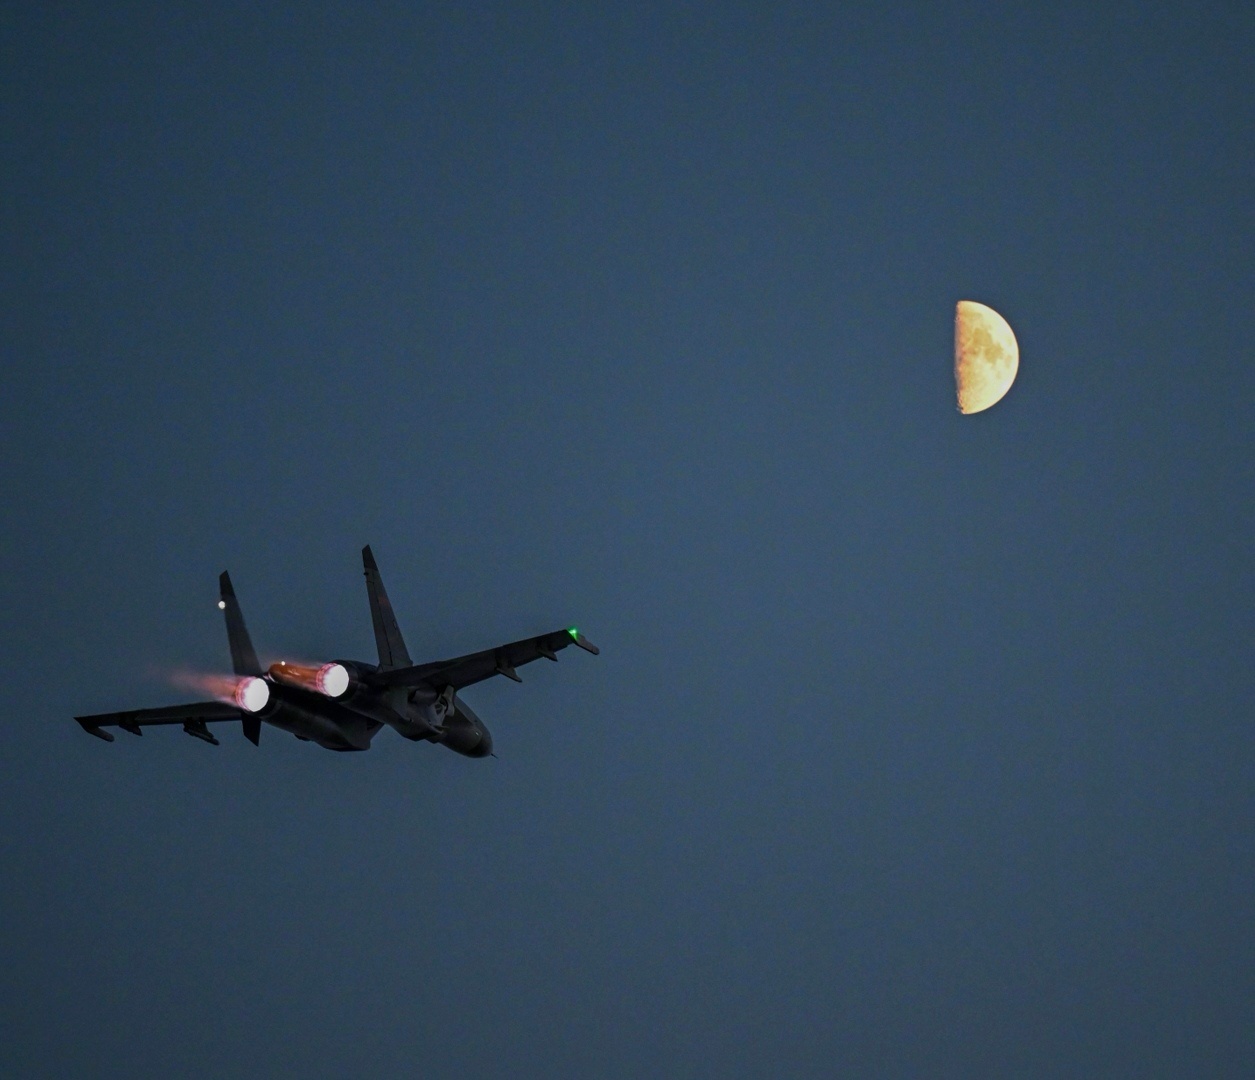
574 632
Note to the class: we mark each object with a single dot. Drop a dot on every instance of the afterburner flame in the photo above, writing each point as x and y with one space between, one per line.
246 692
252 694
301 675
332 680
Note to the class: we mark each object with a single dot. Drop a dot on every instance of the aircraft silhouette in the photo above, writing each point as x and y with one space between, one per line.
343 704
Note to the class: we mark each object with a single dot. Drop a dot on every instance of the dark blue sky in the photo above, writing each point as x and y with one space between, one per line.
919 745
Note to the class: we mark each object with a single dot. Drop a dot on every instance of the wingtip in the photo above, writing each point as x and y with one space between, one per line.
224 584
368 558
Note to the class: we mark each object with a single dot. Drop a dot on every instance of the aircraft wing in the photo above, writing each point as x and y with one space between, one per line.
475 667
193 717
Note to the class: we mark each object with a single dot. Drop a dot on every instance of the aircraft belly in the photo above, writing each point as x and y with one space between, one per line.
409 715
325 723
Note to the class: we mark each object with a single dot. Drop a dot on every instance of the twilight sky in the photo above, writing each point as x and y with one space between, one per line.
919 745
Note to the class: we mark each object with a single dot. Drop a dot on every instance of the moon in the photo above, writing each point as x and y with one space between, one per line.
986 356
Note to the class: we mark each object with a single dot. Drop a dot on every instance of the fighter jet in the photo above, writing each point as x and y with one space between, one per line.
344 704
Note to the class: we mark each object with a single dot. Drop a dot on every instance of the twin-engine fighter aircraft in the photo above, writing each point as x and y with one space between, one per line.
342 705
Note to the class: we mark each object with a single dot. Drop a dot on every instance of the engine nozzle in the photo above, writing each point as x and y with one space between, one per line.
252 694
331 680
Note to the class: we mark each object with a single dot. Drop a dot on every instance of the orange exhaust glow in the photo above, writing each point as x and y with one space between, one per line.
252 694
329 679
302 675
245 692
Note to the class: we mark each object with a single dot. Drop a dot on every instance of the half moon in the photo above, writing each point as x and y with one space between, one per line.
986 356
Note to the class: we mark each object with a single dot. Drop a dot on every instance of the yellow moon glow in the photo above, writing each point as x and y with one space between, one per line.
986 356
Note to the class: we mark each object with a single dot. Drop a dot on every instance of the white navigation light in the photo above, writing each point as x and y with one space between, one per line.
332 680
252 694
222 605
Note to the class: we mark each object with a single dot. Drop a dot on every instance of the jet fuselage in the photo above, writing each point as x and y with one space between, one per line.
343 704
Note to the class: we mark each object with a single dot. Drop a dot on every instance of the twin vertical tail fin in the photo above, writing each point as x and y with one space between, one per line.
392 653
243 655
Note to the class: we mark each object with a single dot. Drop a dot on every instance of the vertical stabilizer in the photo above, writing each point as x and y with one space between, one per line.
391 647
243 656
